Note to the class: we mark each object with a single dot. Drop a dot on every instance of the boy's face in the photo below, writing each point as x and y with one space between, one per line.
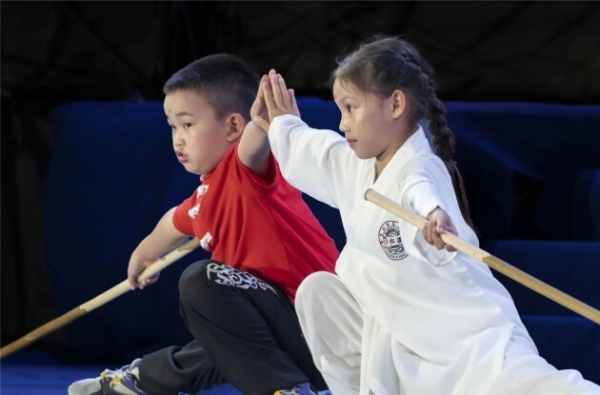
199 139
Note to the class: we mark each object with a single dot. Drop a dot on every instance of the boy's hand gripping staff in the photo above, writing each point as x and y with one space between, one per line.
490 260
101 299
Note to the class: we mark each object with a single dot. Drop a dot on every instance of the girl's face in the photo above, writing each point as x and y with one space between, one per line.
371 125
200 140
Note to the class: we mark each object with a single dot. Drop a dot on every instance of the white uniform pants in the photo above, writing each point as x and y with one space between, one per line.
332 322
526 373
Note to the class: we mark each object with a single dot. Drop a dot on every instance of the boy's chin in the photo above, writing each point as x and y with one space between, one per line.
191 169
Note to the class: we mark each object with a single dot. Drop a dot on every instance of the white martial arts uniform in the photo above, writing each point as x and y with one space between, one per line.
402 317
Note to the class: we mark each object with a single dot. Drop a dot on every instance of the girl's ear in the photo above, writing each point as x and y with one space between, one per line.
398 102
236 124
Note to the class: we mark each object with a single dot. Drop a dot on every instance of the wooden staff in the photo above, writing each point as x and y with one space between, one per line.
490 260
99 300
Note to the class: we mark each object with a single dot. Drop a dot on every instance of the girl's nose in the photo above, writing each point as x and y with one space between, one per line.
343 127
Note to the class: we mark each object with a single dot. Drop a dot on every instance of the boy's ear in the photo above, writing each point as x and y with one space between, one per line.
236 124
398 102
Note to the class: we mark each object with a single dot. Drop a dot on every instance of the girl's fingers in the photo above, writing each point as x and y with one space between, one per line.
437 241
292 96
284 92
269 100
449 248
276 90
277 98
430 231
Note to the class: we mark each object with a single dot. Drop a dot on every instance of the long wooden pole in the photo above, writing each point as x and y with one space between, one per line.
99 300
490 260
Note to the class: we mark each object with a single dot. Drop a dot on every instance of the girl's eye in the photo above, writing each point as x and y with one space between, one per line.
348 108
187 125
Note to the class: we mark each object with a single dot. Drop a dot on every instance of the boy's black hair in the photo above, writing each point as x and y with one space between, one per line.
225 81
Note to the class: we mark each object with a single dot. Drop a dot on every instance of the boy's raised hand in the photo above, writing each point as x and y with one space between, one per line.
278 99
259 108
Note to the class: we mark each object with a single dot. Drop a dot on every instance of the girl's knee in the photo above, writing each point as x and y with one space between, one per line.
316 285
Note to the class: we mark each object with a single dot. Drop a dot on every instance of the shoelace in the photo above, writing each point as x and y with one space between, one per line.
115 373
117 379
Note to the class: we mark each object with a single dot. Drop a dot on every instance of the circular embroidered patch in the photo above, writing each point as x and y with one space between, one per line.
391 242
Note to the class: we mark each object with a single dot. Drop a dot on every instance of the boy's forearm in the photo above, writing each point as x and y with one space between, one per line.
163 238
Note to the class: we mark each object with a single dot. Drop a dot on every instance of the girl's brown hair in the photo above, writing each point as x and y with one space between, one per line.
385 64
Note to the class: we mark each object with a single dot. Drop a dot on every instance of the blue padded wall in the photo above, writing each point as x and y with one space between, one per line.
532 173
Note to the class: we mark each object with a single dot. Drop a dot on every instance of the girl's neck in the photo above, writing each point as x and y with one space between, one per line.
384 158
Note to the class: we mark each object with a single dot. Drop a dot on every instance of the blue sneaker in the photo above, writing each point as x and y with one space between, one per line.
123 381
300 389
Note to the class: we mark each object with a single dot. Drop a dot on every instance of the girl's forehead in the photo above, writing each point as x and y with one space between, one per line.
342 88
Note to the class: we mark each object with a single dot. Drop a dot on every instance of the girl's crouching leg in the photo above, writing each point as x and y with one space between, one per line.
331 321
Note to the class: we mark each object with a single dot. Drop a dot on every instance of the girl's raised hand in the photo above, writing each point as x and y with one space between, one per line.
278 99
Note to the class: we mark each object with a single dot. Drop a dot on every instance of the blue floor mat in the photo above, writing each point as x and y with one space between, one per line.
38 373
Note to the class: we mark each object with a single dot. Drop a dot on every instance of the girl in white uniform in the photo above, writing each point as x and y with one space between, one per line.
400 316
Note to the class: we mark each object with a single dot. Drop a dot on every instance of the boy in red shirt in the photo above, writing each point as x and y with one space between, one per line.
263 241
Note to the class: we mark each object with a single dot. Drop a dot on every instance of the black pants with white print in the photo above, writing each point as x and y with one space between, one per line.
246 333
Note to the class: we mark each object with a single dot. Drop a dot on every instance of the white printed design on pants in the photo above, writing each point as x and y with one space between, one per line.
226 275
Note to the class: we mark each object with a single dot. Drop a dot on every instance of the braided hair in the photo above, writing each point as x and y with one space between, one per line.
385 64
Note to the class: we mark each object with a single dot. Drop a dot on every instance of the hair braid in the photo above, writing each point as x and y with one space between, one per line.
388 63
443 141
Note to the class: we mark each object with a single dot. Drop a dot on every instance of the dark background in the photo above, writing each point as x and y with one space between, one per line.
57 52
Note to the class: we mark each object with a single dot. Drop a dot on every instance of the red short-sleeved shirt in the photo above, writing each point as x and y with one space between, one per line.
263 228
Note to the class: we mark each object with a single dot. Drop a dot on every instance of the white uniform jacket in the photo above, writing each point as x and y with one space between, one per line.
435 322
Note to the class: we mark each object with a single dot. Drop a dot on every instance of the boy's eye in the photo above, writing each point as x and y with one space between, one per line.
348 107
187 125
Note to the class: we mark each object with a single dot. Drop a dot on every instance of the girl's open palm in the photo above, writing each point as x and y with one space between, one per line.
278 99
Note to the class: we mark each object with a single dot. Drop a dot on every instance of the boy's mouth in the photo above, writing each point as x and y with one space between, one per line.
181 157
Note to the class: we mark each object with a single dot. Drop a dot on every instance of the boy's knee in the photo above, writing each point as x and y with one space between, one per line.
192 278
